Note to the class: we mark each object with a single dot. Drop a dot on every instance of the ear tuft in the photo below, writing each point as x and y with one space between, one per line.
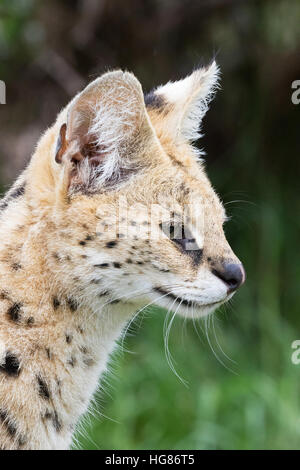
188 101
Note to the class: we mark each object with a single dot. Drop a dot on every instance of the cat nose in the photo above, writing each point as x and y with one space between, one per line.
232 274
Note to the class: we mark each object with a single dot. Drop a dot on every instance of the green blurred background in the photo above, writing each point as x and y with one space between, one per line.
48 51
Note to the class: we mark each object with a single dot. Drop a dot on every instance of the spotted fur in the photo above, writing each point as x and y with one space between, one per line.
75 265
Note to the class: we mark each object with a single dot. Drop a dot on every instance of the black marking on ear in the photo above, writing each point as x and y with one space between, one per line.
14 312
11 366
72 303
44 391
154 101
55 303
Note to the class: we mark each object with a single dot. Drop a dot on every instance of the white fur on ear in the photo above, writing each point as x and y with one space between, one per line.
189 99
105 127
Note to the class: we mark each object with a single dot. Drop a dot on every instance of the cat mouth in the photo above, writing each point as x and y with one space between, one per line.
181 301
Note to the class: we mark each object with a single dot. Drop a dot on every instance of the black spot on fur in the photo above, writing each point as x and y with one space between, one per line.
88 361
102 265
106 292
14 312
11 366
53 416
69 338
72 361
4 295
3 206
44 391
82 242
9 425
73 305
18 192
56 303
89 238
21 441
154 101
30 321
56 422
14 194
16 266
117 265
129 261
49 354
111 244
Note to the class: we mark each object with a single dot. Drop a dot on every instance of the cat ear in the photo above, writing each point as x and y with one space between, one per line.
183 104
106 130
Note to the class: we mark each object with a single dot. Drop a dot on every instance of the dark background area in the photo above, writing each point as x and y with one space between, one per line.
50 50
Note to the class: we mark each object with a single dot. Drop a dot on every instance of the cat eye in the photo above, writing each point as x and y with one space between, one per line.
178 234
183 239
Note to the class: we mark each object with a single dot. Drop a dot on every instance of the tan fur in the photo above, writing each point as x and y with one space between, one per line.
56 316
